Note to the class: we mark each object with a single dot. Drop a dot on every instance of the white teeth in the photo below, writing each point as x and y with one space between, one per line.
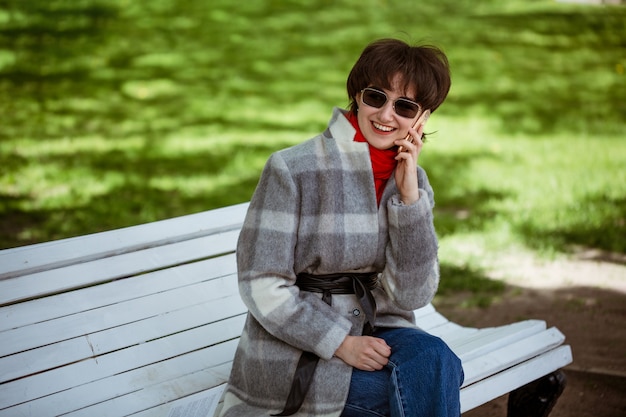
383 128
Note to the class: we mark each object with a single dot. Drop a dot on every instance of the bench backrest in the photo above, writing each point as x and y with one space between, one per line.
84 322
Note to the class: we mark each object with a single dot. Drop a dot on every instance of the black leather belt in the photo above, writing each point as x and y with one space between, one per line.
360 284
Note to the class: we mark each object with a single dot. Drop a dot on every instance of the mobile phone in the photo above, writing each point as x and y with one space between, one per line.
420 121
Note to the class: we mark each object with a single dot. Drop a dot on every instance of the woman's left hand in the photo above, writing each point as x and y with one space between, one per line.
406 174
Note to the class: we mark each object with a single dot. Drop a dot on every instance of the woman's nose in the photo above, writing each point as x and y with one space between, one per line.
387 111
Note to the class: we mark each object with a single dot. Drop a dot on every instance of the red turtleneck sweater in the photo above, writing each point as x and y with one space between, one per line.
383 161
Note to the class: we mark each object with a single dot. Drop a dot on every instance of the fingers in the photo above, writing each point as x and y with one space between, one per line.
383 351
374 354
413 144
364 352
406 175
379 347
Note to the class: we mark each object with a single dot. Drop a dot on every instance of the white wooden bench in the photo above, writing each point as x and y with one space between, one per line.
135 321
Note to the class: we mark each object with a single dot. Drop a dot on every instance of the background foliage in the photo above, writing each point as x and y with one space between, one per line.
118 112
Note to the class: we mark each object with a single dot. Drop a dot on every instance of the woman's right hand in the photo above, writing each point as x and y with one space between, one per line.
364 352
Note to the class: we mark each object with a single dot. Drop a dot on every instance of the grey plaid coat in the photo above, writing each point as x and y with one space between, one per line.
315 211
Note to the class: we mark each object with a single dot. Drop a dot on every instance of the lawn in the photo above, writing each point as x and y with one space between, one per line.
117 112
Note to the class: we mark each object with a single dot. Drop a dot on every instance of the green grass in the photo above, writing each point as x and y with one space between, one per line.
117 112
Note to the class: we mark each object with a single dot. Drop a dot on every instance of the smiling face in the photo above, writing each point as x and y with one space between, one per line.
421 74
381 127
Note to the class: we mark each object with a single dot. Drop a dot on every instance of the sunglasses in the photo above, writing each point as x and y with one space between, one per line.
377 99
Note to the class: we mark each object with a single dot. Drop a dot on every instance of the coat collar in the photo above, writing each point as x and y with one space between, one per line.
339 127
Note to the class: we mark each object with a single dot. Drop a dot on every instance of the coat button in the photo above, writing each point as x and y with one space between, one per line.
356 312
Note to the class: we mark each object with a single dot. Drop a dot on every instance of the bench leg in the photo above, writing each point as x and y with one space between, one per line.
537 398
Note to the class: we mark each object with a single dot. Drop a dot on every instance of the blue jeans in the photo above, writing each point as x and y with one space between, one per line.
423 378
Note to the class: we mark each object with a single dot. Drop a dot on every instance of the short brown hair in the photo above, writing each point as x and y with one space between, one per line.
422 67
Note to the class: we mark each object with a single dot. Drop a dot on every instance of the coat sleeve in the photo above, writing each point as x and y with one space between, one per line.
265 263
411 273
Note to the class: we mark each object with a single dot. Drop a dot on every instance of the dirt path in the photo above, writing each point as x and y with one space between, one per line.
585 297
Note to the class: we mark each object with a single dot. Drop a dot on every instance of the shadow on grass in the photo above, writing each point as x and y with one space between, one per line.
136 196
460 207
80 69
544 72
467 287
125 205
604 230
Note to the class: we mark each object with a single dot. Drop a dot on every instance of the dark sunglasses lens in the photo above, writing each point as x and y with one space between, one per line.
374 98
406 109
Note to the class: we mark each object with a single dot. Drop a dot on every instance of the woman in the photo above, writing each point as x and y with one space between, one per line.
337 249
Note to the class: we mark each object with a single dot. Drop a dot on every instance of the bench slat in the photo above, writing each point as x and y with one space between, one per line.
65 304
111 316
106 341
119 362
109 293
106 269
504 382
489 339
507 356
150 384
154 395
430 321
164 409
451 331
50 255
